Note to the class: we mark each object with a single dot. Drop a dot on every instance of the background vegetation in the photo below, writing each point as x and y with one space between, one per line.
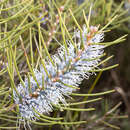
22 21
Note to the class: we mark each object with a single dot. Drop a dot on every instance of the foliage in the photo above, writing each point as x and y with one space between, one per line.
31 31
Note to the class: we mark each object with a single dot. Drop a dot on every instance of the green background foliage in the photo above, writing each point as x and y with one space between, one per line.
25 40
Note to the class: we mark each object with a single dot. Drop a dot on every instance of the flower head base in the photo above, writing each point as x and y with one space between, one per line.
66 74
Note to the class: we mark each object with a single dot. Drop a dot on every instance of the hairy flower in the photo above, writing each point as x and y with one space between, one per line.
61 79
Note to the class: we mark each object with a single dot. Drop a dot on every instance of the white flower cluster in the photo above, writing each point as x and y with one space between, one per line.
70 69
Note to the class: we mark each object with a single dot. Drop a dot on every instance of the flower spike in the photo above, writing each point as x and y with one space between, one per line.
66 75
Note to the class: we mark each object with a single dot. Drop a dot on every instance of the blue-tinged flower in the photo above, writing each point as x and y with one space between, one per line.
68 72
43 19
